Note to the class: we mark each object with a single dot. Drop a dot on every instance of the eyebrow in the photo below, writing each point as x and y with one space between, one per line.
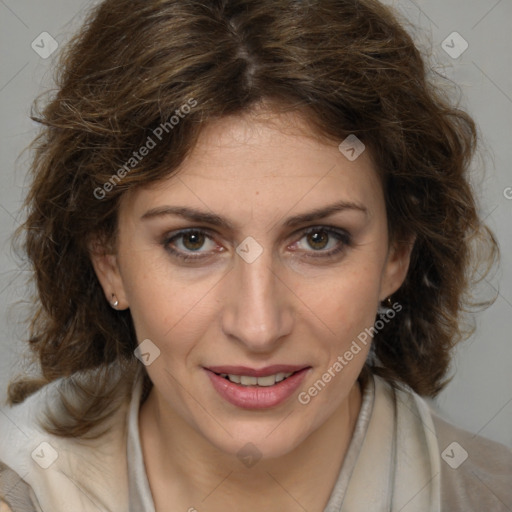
195 215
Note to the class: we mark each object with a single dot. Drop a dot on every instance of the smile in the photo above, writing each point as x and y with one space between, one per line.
247 380
256 389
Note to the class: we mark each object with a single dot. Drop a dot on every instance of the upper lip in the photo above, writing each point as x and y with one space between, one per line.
254 372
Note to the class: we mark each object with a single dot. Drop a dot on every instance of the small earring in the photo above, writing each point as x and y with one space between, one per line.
385 306
114 302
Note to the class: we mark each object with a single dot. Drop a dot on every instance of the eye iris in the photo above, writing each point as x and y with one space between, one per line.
317 240
196 238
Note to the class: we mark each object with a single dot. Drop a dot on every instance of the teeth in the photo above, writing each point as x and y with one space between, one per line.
269 380
246 380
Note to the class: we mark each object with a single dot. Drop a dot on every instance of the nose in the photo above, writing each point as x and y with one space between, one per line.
258 312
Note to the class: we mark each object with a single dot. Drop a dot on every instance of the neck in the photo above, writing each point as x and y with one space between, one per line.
185 467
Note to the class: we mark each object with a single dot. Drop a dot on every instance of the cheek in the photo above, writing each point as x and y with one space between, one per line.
346 303
347 306
171 307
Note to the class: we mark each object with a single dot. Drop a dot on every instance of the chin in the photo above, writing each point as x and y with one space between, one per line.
261 440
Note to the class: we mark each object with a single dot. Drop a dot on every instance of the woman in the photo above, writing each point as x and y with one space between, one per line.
253 237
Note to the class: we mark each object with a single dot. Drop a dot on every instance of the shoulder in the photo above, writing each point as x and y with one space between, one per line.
54 472
475 471
20 426
15 494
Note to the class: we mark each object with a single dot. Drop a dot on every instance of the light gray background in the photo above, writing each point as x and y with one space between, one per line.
480 396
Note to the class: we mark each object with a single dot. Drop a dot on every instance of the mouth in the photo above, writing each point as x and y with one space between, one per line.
263 377
256 388
248 380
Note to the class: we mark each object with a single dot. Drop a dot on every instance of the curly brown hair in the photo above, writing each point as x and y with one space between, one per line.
349 66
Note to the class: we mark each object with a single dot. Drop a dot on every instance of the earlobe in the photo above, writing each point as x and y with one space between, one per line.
397 266
106 267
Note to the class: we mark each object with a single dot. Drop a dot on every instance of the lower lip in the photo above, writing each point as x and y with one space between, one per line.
257 397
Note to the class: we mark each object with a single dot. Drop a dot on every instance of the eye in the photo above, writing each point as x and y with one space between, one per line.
326 242
187 242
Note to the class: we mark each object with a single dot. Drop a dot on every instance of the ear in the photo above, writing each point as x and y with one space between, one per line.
396 266
106 267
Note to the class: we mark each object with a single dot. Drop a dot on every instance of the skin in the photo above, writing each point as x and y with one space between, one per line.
286 307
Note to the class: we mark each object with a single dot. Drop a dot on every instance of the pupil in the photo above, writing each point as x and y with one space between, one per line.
319 241
197 241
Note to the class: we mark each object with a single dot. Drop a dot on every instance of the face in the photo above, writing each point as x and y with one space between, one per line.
265 255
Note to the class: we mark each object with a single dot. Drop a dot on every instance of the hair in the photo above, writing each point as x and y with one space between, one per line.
347 66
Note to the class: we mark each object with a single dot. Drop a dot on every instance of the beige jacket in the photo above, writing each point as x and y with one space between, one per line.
402 458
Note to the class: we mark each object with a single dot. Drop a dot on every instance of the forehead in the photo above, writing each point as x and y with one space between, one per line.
267 161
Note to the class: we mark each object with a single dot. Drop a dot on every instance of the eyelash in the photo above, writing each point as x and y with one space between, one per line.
343 236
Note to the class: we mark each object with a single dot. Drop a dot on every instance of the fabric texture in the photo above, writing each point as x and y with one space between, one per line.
402 457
